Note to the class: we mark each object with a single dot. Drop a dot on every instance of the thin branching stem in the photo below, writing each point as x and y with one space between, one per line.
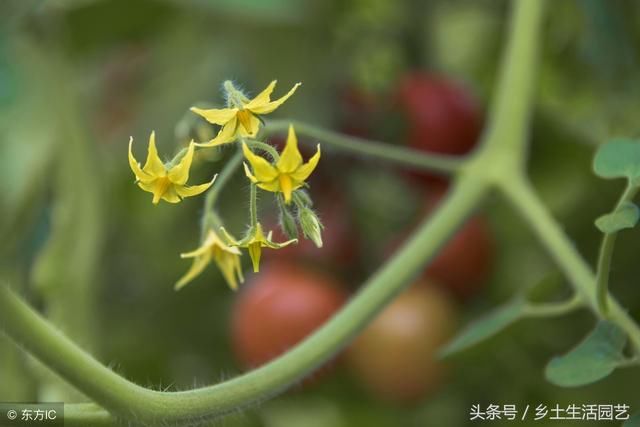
606 254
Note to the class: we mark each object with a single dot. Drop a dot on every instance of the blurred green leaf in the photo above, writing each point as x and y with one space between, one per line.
625 216
619 158
597 356
273 10
634 421
486 327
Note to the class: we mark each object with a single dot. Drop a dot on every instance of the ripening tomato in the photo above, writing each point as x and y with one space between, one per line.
465 263
443 116
395 356
278 308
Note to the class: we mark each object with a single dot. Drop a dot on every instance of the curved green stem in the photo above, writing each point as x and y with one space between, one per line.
221 181
88 414
259 145
555 308
369 148
131 401
606 253
209 217
531 208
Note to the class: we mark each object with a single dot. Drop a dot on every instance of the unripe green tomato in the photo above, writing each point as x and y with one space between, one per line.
395 356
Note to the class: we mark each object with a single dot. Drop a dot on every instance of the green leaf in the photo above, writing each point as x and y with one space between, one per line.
619 158
485 327
599 354
626 216
634 421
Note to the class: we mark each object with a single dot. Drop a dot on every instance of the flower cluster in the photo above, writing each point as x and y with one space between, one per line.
283 174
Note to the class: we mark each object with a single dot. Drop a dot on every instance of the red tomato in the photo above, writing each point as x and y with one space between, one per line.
357 111
463 265
395 356
465 262
278 308
443 116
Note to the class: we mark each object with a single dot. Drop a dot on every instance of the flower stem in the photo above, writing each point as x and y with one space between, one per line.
253 205
210 199
606 253
259 145
375 149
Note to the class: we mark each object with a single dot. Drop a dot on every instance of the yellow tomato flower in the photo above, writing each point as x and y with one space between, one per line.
289 172
166 182
226 257
255 241
241 118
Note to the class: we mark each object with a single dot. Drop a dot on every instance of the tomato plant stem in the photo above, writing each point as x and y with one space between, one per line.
375 149
131 401
560 247
606 253
555 308
498 162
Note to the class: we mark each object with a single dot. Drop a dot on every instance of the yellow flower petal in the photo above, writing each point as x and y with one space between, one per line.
303 172
255 252
135 167
229 266
216 116
198 265
225 135
188 191
273 186
248 173
270 106
286 187
263 171
290 158
230 239
179 174
250 124
153 165
263 97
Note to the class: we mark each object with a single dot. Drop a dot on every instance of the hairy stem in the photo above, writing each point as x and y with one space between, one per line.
606 253
129 400
259 145
253 205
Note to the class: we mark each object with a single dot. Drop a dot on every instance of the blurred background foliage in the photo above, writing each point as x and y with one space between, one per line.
77 77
